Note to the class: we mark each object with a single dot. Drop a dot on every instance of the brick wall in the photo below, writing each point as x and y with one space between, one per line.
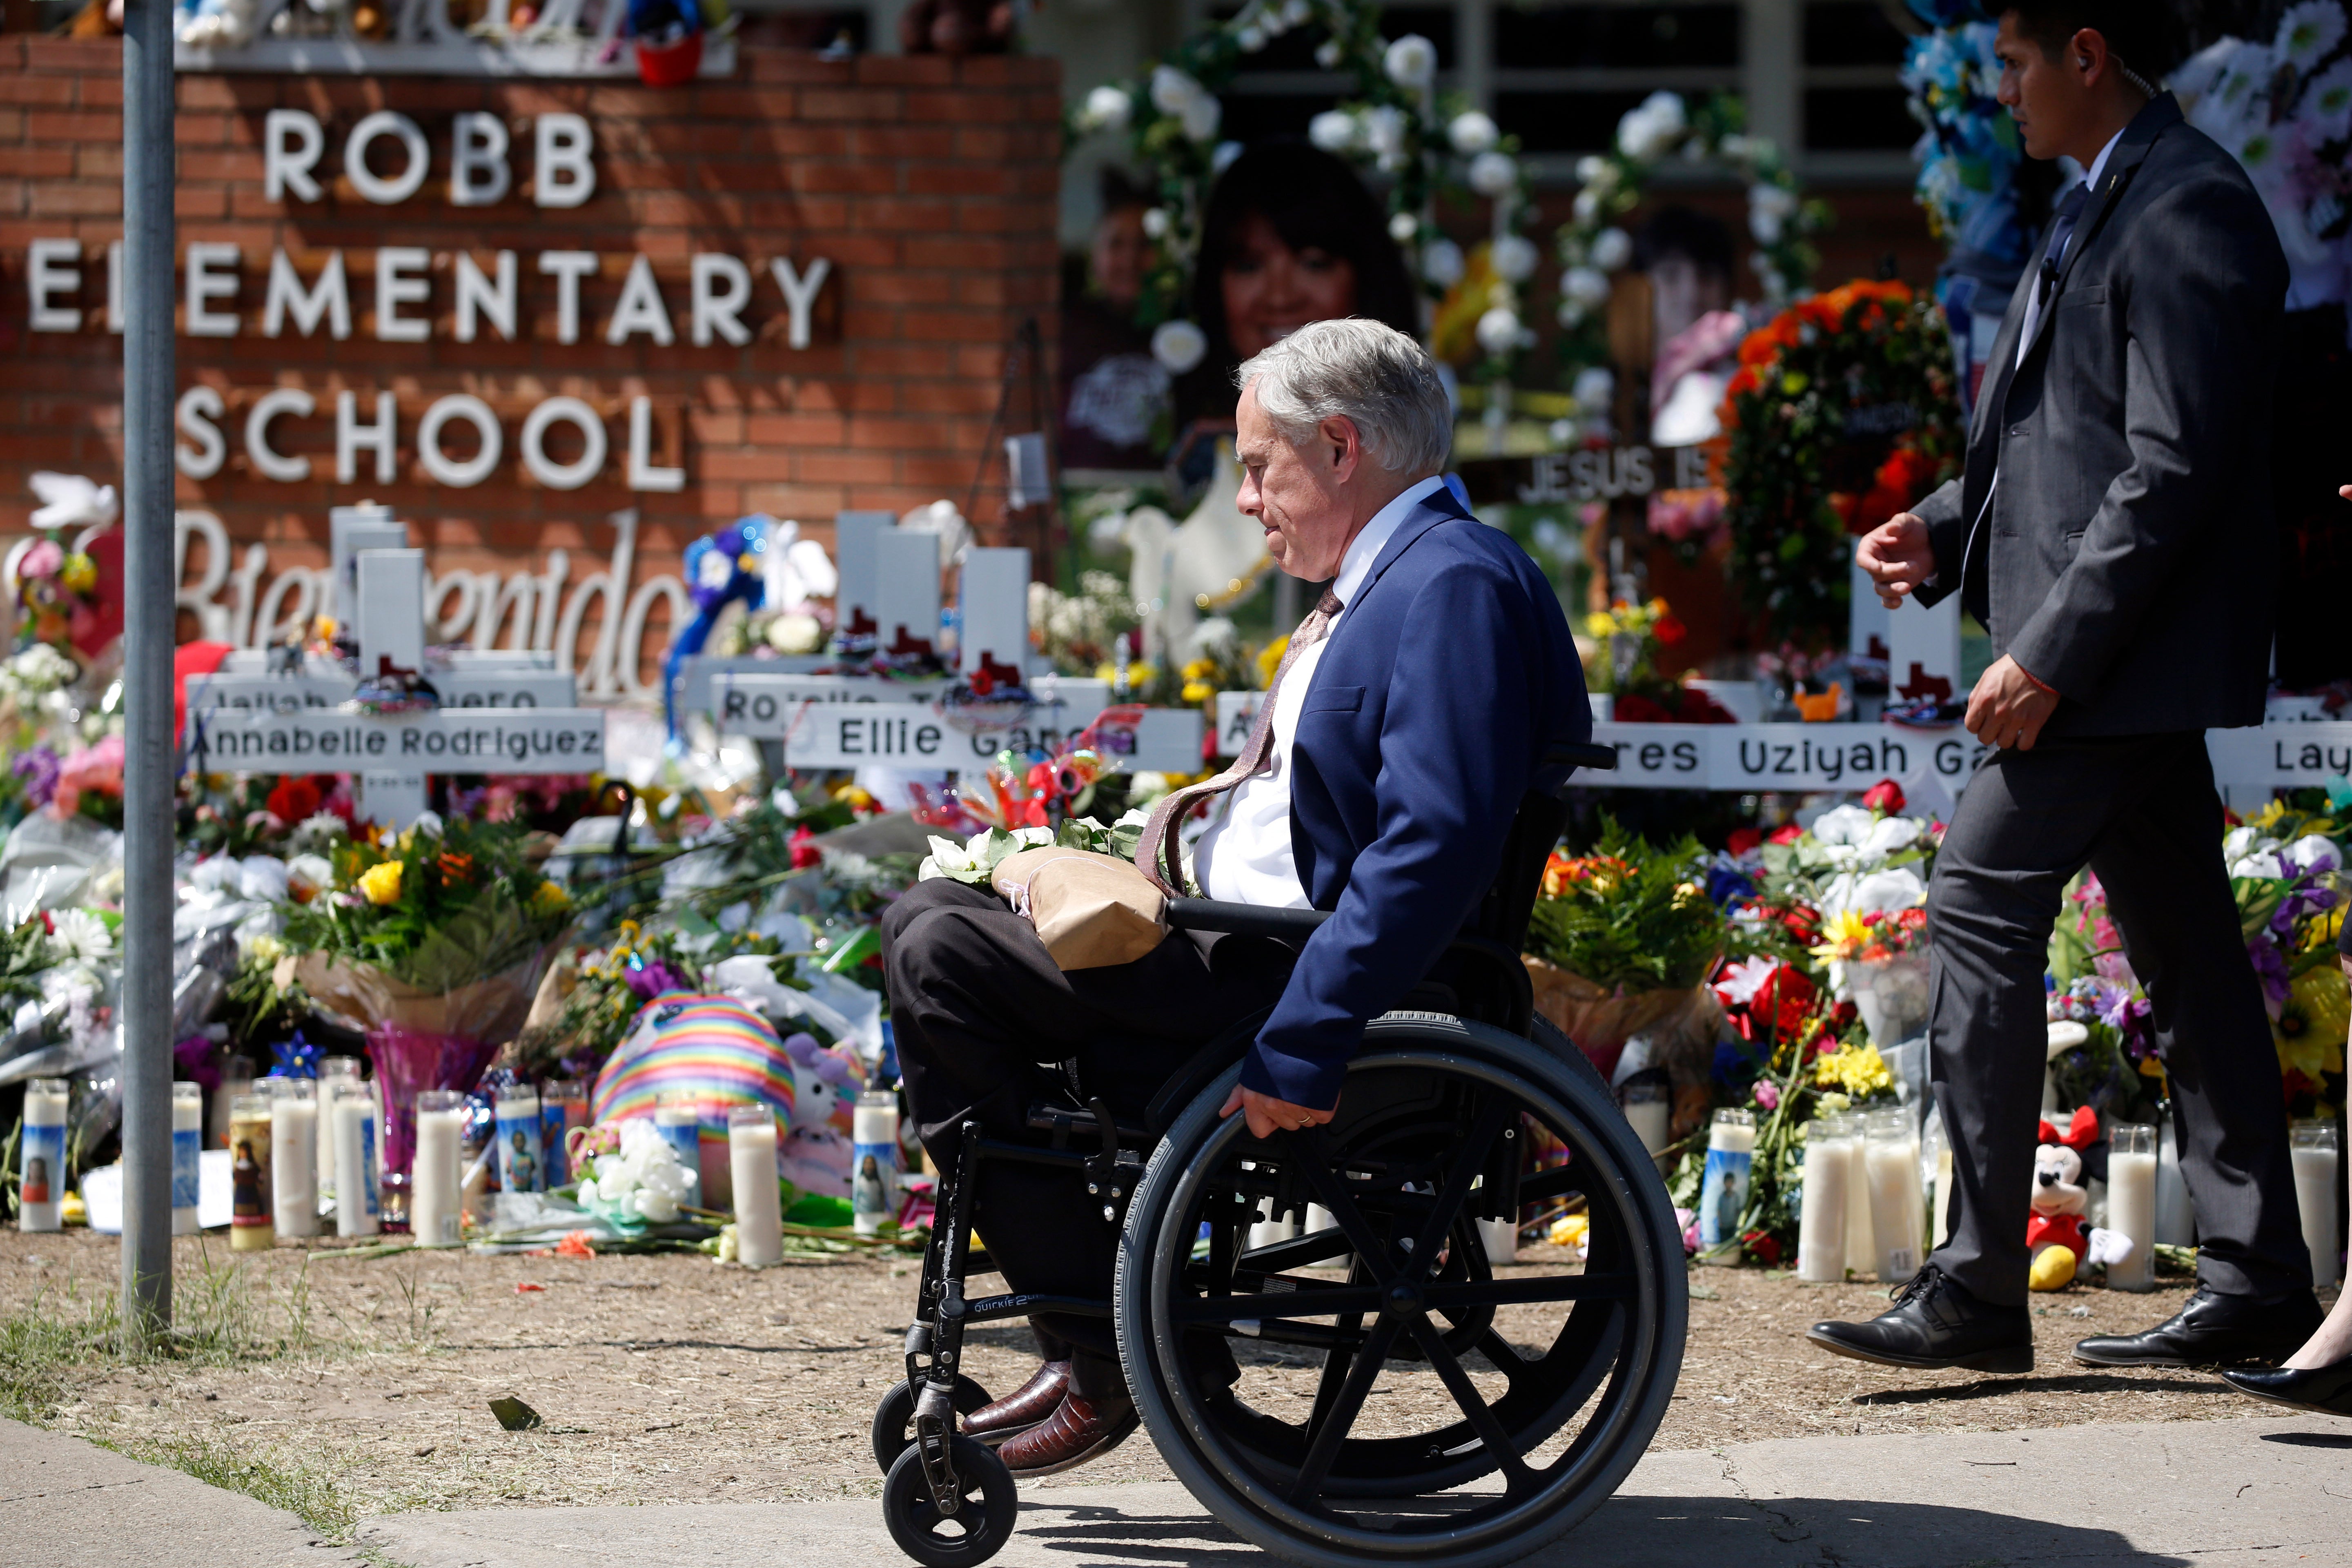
928 185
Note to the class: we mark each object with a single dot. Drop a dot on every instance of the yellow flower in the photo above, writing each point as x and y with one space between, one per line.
1201 669
1844 934
1107 671
381 884
1571 1230
1198 691
1269 659
1600 623
2271 812
1855 1070
2321 931
79 572
550 899
2311 1026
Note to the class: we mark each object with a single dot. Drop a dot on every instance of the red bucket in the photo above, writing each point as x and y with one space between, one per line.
670 65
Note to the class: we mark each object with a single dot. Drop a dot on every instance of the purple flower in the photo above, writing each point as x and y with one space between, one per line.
192 1058
648 980
38 768
2270 963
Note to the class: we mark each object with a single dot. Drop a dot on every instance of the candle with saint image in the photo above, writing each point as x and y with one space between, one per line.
187 1147
678 1119
434 1194
358 1211
522 1164
759 1202
2311 1146
252 1211
1723 1189
41 1157
1898 1207
294 1150
1821 1218
332 1070
874 1161
562 1106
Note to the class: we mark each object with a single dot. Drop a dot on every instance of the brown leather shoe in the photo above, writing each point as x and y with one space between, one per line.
1025 1407
1078 1430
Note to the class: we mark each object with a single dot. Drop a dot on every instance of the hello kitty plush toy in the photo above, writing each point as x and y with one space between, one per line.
2061 1241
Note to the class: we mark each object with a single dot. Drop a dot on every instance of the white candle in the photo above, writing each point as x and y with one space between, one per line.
758 1204
2175 1221
1320 1218
874 1161
1861 1236
356 1209
521 1162
2131 1205
187 1146
435 1180
2312 1147
332 1070
41 1157
1267 1232
1821 1218
294 1154
1649 1109
1897 1207
1723 1189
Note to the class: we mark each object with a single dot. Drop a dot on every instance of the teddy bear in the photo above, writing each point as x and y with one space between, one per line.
2061 1241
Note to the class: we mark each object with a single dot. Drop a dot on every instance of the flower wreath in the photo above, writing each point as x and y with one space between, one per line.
1394 125
1591 245
1968 154
1843 412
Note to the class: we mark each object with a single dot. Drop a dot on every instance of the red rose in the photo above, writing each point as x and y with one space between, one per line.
294 800
1743 840
1788 833
1763 1247
1670 631
805 850
1885 795
1635 708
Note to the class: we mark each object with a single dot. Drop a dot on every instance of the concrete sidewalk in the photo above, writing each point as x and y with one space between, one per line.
2215 1494
73 1504
2207 1492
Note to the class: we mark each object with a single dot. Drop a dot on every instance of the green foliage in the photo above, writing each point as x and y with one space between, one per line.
25 950
1628 915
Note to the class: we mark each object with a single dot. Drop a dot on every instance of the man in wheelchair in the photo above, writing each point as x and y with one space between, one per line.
1412 712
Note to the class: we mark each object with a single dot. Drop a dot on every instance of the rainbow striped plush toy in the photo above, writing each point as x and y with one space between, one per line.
718 1053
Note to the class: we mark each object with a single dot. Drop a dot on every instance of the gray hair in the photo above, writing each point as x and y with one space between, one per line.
1371 375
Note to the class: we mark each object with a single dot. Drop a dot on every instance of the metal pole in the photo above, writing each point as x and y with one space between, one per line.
148 385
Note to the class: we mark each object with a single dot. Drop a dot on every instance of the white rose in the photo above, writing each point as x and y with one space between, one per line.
1612 250
1764 227
950 856
1563 433
1404 228
1334 131
1498 331
1472 133
1033 837
795 634
1650 131
1590 169
1588 286
1571 315
1178 346
1494 174
1587 206
2236 844
261 878
428 824
1843 824
1442 263
1249 40
1514 257
1202 117
308 876
2264 865
1327 54
1156 222
1410 62
2312 852
1890 834
1108 109
1765 197
1172 90
1384 130
1594 390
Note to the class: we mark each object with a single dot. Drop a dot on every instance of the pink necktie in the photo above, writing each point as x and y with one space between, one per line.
1156 854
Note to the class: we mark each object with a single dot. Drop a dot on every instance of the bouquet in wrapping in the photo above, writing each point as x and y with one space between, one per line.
432 942
1619 942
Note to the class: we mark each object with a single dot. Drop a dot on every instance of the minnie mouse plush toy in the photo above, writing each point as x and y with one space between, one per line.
2060 1240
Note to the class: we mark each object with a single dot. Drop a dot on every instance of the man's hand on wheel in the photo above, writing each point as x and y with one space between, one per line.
2009 707
1268 1115
1897 557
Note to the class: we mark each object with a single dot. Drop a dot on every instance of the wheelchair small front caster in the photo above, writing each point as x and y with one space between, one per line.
982 1523
894 1419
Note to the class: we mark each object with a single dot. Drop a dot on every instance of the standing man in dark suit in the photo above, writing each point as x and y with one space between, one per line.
1411 713
2113 531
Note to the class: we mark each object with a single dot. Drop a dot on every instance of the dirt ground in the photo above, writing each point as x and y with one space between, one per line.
670 1378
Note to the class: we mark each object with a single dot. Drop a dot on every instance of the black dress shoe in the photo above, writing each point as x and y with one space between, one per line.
1937 1324
2213 1330
2325 1389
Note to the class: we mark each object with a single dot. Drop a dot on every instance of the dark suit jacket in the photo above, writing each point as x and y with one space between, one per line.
2129 556
1430 710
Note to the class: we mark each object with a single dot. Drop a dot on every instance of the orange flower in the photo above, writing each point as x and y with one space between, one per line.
456 868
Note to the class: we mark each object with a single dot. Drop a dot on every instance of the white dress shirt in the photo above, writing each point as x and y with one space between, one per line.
1245 856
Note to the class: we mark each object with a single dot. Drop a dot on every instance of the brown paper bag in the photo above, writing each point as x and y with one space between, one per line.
1090 910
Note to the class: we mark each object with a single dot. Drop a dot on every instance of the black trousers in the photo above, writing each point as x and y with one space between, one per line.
976 1003
2141 811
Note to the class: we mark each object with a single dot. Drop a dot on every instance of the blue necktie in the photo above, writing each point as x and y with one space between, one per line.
2061 232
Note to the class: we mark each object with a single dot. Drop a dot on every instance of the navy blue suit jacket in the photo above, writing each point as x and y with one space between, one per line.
1430 710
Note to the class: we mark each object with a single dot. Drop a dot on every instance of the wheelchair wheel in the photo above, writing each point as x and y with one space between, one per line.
894 1419
1421 1407
978 1528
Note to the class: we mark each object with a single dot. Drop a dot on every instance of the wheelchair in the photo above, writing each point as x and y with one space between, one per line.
1458 1416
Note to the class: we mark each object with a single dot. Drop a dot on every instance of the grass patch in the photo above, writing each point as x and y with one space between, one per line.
44 1344
311 1494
